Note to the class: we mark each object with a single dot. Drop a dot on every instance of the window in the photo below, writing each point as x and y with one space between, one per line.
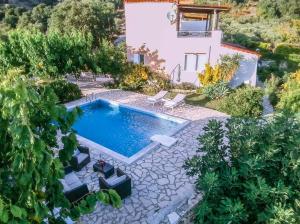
138 58
194 62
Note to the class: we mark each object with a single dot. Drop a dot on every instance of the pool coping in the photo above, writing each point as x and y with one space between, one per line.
128 160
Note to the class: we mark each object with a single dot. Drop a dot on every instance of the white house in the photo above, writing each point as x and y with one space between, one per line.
180 39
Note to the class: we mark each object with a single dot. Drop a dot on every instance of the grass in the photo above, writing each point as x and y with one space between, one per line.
201 100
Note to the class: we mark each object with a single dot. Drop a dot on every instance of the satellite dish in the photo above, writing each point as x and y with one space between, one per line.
171 16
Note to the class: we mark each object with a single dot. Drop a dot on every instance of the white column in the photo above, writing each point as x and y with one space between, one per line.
215 20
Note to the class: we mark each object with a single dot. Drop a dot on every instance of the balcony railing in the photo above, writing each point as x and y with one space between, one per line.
200 34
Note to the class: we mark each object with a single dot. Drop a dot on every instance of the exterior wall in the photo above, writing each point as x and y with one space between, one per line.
148 31
247 70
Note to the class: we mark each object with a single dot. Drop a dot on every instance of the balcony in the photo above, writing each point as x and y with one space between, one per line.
182 34
194 28
195 21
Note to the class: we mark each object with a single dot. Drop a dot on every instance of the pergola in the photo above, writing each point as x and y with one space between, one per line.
210 13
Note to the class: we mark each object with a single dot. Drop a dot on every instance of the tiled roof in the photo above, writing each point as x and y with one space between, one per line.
240 48
137 1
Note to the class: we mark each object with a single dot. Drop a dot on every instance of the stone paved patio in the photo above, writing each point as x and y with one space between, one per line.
160 184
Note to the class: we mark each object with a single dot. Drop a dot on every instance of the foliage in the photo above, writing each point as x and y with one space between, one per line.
136 77
289 53
210 75
242 26
37 18
279 8
65 91
111 59
243 102
217 90
156 82
272 89
100 18
254 33
30 171
290 94
285 59
10 15
229 65
47 55
184 86
248 171
202 101
86 16
223 71
215 79
142 78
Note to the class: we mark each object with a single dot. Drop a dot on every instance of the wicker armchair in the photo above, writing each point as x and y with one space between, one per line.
121 185
74 189
80 158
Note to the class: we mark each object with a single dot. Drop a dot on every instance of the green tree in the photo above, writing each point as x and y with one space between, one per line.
248 171
111 59
87 16
52 55
29 167
37 18
11 15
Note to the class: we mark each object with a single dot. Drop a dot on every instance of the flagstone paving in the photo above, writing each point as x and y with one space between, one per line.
160 183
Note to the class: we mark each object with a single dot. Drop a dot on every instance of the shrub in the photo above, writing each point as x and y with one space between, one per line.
136 77
229 65
142 78
248 172
244 102
272 89
224 71
156 82
185 86
210 75
290 94
65 91
217 90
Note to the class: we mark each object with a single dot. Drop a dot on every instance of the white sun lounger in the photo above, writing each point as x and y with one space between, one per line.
178 99
158 97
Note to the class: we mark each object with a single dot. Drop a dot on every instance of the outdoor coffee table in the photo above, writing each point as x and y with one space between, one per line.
106 169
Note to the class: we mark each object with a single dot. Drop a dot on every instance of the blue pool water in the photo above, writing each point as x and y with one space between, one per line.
121 129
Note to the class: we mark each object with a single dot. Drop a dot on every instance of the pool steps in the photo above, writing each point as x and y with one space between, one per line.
164 140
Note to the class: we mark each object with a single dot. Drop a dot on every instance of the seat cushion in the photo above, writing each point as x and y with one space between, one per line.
65 185
76 152
72 181
81 157
115 180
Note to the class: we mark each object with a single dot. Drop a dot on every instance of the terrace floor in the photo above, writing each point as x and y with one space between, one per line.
160 184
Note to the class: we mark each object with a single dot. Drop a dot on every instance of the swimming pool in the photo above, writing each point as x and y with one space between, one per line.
122 129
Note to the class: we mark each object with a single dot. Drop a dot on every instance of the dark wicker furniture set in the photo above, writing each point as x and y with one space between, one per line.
110 178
